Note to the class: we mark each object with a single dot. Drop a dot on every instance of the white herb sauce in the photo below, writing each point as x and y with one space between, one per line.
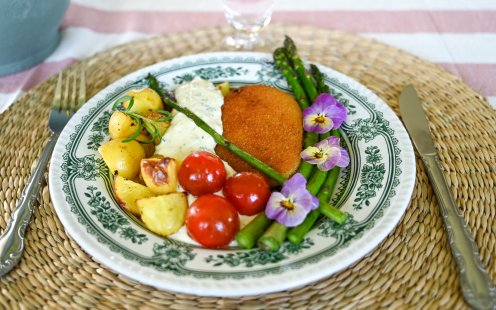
184 137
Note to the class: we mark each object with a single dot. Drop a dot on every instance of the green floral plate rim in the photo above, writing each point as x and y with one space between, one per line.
375 190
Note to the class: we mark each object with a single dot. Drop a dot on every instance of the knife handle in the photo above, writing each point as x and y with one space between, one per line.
477 287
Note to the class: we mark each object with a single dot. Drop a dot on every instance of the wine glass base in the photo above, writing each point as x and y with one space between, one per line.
246 42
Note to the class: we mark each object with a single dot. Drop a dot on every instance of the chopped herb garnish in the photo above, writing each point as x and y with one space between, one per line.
145 122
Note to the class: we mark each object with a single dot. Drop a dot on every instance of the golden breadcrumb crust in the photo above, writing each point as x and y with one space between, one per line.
265 122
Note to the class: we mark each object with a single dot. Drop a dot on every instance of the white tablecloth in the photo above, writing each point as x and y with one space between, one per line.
459 35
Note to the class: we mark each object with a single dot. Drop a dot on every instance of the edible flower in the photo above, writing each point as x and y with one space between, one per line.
326 154
291 205
324 114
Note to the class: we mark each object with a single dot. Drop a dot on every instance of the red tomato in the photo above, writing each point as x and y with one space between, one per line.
212 221
248 192
202 173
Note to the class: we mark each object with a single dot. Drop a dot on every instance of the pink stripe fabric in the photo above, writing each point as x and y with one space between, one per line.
396 21
140 21
28 79
481 77
351 21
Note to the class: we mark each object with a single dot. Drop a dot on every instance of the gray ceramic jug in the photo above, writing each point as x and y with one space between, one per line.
29 32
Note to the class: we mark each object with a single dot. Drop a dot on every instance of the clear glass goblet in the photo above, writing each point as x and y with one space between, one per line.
247 17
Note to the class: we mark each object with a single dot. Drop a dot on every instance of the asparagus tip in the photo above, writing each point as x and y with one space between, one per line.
290 45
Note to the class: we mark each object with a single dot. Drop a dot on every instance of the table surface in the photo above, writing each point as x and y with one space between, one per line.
459 35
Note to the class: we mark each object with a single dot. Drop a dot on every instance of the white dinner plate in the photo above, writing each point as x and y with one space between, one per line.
374 189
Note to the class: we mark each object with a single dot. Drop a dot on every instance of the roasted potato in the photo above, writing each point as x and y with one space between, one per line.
148 147
122 158
164 214
146 100
121 126
161 126
128 192
160 174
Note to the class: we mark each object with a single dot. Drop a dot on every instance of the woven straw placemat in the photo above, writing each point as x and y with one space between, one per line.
412 268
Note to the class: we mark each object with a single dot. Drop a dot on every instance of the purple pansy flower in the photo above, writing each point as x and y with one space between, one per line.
291 205
324 114
326 154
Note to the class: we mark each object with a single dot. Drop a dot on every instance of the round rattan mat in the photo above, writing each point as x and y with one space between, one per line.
412 268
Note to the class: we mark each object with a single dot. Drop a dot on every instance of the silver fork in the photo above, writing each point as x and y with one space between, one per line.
65 104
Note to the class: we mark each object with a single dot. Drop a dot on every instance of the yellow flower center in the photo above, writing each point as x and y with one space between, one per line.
320 119
288 204
318 155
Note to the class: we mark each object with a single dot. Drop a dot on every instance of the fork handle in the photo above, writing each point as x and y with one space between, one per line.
12 240
477 287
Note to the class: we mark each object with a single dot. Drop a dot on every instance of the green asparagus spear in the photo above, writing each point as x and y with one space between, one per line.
273 238
296 234
319 80
305 82
333 213
299 67
155 85
318 178
282 64
326 209
248 236
306 169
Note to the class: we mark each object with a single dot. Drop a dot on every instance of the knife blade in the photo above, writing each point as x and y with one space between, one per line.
477 287
415 120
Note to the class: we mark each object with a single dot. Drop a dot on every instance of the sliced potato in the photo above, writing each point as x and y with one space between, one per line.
160 174
122 158
128 192
145 100
164 214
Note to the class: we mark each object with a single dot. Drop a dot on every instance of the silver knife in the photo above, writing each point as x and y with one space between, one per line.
477 287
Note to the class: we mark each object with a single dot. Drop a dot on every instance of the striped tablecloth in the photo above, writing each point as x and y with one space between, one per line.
459 35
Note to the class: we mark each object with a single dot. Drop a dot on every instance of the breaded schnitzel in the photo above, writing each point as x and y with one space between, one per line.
265 122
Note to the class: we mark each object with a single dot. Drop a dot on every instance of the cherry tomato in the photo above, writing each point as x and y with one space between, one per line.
202 173
248 192
212 221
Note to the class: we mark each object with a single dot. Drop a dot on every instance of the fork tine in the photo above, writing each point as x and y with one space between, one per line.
65 96
72 104
82 89
58 93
